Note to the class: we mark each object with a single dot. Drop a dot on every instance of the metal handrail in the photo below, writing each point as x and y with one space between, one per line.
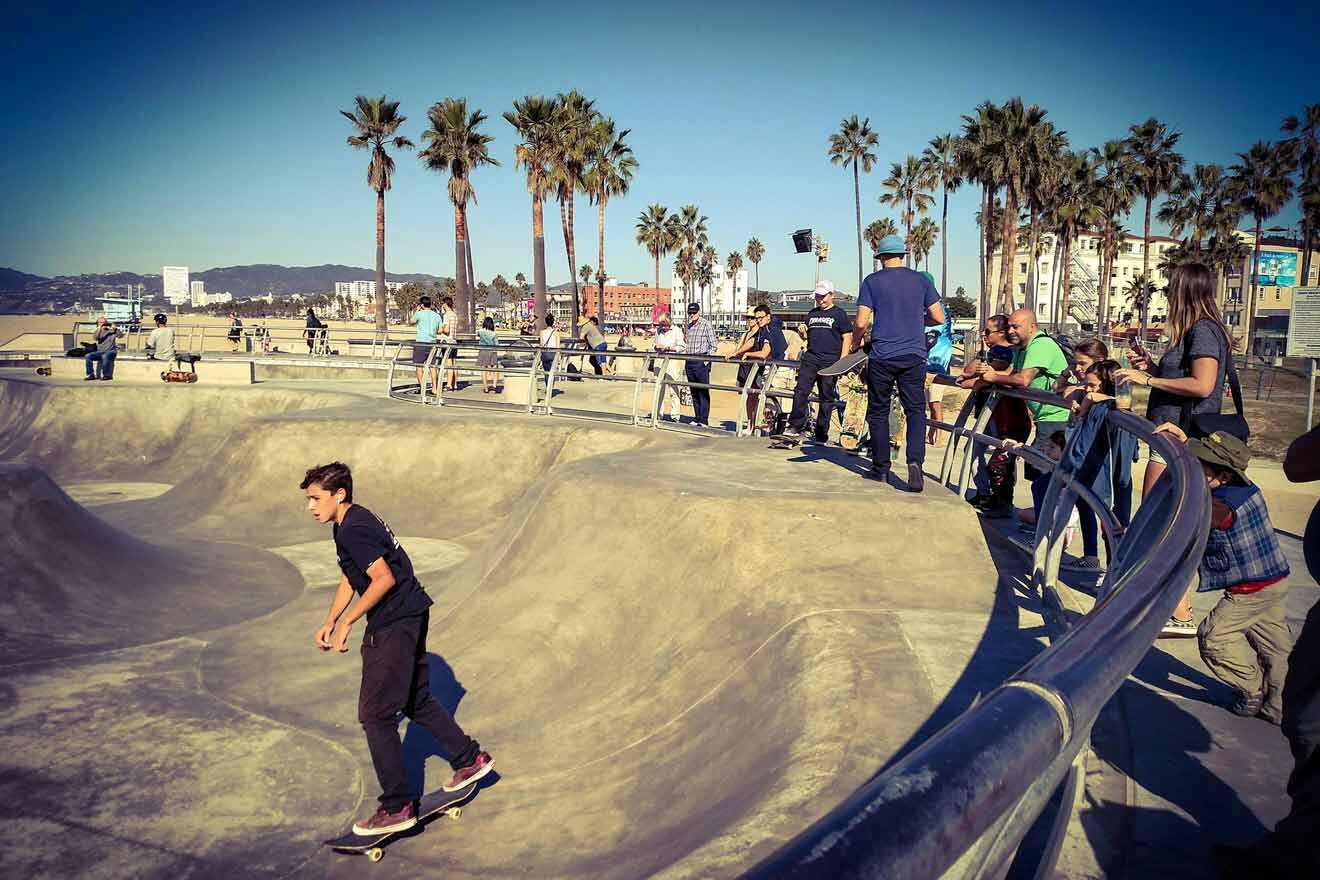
969 794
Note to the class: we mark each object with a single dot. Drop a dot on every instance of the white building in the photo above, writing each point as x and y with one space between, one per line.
727 295
197 293
175 280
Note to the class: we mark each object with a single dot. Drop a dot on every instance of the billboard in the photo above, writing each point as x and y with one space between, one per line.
1277 269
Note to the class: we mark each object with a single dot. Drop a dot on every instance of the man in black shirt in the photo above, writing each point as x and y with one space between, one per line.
829 337
395 669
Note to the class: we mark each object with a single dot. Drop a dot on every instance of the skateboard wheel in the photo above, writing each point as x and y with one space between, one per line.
454 813
375 855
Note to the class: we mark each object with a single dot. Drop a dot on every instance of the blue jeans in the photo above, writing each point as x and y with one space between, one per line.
547 359
597 362
909 375
699 371
105 361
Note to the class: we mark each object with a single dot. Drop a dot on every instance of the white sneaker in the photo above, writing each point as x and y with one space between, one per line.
1181 629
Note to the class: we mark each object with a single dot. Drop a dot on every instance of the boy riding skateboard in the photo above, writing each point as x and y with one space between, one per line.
378 583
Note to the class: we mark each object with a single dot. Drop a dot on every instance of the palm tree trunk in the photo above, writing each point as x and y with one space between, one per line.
600 265
1033 242
1306 249
987 252
857 204
757 264
380 259
944 245
1255 279
907 240
1066 293
471 275
566 223
656 254
1008 242
538 256
1145 269
461 293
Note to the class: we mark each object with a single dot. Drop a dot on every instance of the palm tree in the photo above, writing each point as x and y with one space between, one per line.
733 263
655 232
923 241
1009 161
609 174
536 120
907 187
755 251
685 267
375 123
851 145
1263 178
454 145
976 149
1139 293
1306 139
1156 166
941 158
1193 201
706 277
691 238
1040 188
573 136
1113 192
584 272
1073 210
875 231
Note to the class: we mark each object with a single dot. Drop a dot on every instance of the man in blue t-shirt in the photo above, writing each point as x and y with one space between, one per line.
428 328
894 308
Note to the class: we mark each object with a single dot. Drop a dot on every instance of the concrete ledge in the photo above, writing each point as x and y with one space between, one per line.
50 342
134 368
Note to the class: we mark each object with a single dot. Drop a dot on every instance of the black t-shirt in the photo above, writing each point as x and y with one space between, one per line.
360 540
825 331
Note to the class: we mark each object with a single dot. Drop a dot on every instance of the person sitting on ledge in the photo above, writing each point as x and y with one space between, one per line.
107 348
160 344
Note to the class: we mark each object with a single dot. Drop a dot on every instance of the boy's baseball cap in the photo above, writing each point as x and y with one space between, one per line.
824 288
891 245
1222 449
693 308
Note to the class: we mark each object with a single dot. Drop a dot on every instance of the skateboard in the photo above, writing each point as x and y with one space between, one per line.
178 376
780 441
43 371
372 845
845 364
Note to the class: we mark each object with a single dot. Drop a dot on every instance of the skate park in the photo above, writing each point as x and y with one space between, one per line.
691 656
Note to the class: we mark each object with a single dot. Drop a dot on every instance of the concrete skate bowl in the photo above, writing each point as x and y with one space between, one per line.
680 652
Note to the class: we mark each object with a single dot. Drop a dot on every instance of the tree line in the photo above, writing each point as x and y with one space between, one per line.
1031 176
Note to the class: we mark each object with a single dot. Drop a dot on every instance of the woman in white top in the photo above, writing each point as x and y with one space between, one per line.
549 340
446 333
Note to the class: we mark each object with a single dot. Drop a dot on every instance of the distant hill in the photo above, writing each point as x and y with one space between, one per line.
241 281
14 281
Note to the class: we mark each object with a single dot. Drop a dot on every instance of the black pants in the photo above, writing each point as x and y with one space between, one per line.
808 369
699 371
908 373
396 680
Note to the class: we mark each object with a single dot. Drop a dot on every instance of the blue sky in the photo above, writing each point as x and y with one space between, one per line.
144 135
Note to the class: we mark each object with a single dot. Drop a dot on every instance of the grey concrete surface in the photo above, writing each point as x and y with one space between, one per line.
680 651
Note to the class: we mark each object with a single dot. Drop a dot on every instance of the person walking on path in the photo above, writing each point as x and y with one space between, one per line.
378 583
448 334
235 330
669 340
315 333
1244 639
1186 382
895 306
101 362
829 337
549 340
1038 361
700 339
428 328
488 359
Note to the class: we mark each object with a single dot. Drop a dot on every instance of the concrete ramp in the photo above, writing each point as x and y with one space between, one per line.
680 651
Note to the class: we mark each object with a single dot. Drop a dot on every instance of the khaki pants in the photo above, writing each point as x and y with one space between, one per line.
1245 642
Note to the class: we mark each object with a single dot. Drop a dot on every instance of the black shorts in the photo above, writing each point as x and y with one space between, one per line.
420 352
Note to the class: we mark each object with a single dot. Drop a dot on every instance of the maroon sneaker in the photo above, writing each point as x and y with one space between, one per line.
385 822
463 776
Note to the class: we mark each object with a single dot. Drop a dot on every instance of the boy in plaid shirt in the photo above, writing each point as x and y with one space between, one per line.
1245 639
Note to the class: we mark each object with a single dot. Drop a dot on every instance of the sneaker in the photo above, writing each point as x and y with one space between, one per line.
1246 705
1084 565
89 378
794 435
463 776
385 822
880 475
992 510
1183 629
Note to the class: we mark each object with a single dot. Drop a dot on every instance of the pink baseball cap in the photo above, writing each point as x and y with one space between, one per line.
824 287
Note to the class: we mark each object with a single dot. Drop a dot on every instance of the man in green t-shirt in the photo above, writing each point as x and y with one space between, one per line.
1037 364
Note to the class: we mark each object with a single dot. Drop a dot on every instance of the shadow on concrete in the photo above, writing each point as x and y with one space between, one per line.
418 743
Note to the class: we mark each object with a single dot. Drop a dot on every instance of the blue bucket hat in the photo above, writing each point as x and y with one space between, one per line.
891 245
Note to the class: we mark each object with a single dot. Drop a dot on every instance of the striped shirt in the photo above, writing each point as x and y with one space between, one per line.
701 337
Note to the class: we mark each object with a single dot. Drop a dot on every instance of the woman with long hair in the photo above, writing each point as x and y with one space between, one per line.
1191 371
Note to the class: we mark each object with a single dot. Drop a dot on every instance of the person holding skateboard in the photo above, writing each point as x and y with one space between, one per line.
829 338
378 583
